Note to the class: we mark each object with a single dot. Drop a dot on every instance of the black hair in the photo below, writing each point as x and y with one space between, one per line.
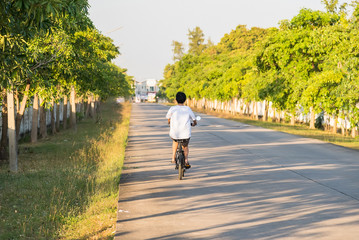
180 97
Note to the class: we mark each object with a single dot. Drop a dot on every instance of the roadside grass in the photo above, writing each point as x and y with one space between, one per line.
67 185
298 129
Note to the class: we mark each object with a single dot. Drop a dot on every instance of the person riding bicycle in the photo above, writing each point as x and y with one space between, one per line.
180 118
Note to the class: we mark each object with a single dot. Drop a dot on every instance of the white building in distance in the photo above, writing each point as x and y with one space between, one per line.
146 90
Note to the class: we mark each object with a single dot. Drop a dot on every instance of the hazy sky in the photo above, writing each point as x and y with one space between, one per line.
145 29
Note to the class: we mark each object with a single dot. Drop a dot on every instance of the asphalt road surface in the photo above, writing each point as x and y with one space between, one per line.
246 182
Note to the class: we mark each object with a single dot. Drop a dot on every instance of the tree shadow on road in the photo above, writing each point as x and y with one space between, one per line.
258 188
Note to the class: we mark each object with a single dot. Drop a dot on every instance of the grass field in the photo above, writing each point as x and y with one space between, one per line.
298 129
67 185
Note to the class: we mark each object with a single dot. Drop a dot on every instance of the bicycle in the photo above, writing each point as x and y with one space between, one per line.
180 160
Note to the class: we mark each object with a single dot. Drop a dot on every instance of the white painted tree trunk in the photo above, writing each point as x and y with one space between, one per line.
354 132
12 131
88 106
43 126
57 117
73 108
64 112
335 124
292 119
312 118
35 111
265 111
253 113
53 120
93 112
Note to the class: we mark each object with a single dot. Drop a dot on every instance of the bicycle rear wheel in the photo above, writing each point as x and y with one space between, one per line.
180 171
181 166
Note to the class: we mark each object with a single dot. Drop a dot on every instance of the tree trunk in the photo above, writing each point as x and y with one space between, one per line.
20 110
252 113
73 108
98 109
12 131
93 112
17 102
312 118
57 117
247 109
279 119
292 119
64 112
35 119
82 107
335 125
234 105
256 111
87 114
265 111
342 129
354 132
43 127
4 141
53 121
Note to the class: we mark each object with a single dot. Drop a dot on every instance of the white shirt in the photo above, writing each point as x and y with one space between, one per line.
180 116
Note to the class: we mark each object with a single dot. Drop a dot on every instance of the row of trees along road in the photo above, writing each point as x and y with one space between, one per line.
49 51
310 63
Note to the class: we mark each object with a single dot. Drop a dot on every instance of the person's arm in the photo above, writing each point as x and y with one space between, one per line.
193 117
169 115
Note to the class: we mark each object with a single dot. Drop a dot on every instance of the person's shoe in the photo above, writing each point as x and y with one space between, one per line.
187 166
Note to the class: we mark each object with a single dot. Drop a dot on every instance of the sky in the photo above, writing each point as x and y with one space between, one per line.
144 29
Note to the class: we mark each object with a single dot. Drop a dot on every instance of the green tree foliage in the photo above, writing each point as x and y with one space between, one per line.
241 39
178 50
330 5
310 19
54 43
48 47
310 62
219 72
196 41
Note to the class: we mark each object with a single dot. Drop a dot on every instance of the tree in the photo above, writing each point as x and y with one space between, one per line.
241 39
310 19
178 50
18 23
196 41
310 63
330 5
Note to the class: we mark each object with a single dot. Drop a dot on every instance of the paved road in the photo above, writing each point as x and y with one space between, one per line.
245 183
